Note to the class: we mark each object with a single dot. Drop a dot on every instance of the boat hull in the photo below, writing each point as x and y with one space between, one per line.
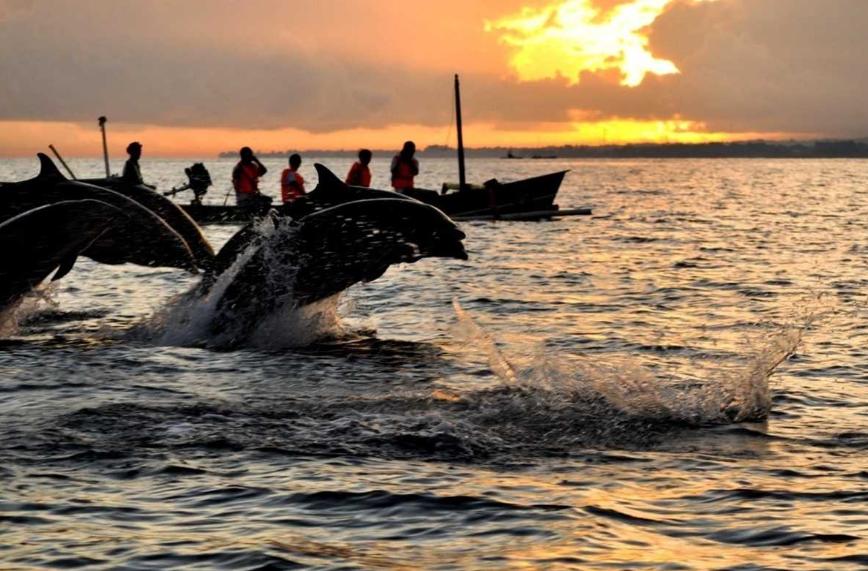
528 195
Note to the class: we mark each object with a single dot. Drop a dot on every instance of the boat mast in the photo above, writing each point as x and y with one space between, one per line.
102 121
462 179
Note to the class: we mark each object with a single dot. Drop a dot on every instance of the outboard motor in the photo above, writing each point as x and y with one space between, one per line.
198 180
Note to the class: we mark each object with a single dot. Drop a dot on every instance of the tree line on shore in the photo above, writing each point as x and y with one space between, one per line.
740 149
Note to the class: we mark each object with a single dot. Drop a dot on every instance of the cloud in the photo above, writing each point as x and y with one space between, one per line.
791 66
770 65
569 37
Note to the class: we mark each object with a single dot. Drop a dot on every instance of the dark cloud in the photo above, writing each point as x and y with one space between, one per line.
769 65
747 65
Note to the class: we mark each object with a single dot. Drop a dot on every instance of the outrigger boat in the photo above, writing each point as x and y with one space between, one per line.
531 198
526 199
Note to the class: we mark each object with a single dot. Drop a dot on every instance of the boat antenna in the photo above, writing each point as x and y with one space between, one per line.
462 178
102 121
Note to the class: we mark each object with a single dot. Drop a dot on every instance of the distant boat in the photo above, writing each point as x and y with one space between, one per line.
509 155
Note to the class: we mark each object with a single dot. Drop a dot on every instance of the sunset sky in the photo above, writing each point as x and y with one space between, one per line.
195 77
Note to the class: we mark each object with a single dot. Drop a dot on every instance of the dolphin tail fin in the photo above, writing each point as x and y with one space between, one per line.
47 168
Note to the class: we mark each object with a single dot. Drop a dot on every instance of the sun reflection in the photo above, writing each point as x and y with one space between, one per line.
569 37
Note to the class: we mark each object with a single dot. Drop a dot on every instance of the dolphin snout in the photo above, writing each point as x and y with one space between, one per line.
449 248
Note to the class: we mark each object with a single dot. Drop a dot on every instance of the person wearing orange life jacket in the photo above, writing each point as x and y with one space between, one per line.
404 167
360 174
291 181
245 180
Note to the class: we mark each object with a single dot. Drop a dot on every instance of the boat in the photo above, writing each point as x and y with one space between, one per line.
492 198
533 197
526 199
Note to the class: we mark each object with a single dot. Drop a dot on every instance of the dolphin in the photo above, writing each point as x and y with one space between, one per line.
169 211
146 238
38 242
294 263
281 262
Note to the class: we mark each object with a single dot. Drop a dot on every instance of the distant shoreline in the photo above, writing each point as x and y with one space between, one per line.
844 149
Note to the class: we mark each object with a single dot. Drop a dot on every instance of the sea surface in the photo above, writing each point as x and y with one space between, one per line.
679 381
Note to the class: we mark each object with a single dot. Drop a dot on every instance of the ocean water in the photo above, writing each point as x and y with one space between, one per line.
679 381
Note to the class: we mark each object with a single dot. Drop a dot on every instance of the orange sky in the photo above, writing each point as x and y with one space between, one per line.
201 76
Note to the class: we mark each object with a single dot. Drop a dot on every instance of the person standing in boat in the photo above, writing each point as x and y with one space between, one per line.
360 174
404 167
291 181
245 180
132 173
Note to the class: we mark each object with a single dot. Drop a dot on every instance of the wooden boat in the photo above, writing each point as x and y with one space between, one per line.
531 198
492 198
489 201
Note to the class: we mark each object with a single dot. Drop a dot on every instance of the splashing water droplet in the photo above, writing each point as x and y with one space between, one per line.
634 391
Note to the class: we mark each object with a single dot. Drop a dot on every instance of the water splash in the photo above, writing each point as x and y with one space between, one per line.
633 391
190 319
31 304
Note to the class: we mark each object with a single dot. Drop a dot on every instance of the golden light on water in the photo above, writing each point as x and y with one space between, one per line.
569 37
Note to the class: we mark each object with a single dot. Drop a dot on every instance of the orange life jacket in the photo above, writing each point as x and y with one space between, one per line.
246 178
402 175
291 185
359 175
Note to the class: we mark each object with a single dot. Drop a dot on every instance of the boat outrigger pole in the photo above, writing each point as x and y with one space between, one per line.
462 178
63 162
102 121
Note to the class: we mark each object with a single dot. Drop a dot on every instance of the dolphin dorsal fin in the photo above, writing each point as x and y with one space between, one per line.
47 168
327 179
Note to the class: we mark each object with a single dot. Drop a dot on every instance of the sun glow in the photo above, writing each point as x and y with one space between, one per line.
26 138
567 38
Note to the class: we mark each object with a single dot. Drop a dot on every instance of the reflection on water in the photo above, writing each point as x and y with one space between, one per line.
677 382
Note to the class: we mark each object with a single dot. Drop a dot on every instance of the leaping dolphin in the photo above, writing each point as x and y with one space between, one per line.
282 262
47 238
295 263
146 239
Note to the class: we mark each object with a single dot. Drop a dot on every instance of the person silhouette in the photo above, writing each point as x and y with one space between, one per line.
404 167
360 173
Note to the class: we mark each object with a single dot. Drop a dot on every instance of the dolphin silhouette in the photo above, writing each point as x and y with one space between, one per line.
278 262
295 263
46 238
146 239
